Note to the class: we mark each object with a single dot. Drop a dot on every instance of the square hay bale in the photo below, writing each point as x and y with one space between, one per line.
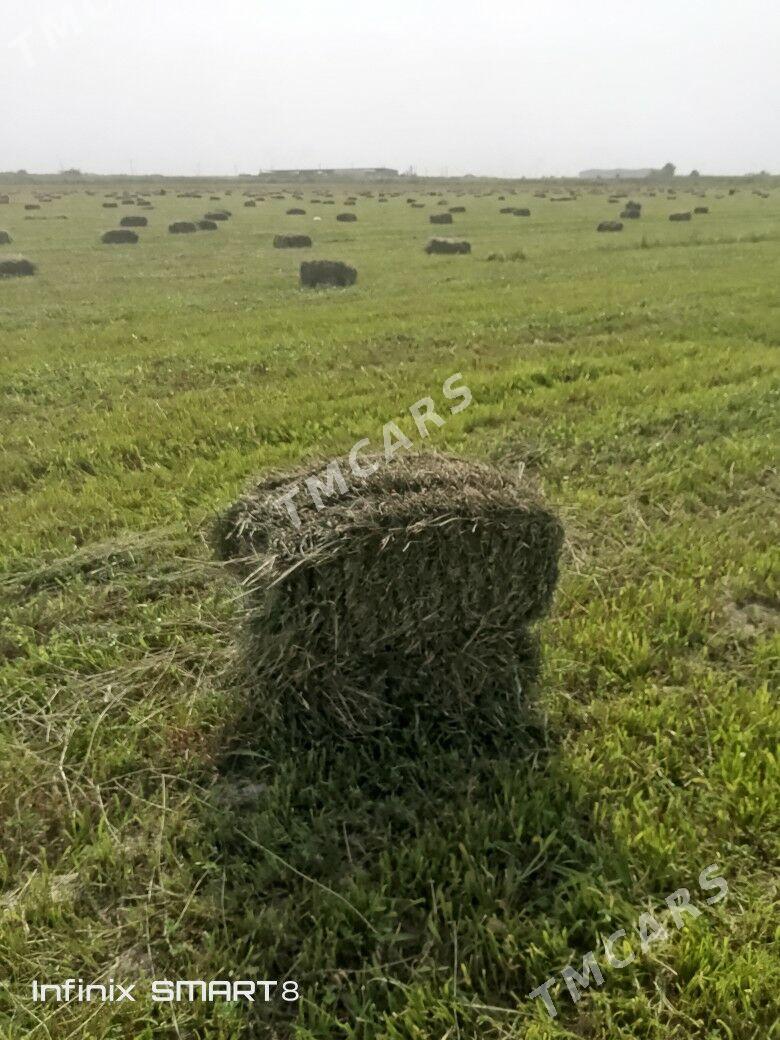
447 245
410 596
15 266
292 242
327 272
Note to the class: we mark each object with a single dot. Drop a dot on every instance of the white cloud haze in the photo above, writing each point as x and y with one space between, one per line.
503 88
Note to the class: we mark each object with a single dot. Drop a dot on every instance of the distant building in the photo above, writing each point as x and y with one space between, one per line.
378 173
615 175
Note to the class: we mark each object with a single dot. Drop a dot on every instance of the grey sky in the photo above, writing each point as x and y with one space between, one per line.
502 87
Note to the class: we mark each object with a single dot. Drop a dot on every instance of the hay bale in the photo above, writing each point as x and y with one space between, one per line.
327 272
346 218
679 216
521 212
292 242
110 205
218 214
457 209
134 222
182 227
447 245
207 225
119 236
701 209
295 211
4 200
32 205
630 214
5 238
411 597
15 266
610 225
440 218
250 204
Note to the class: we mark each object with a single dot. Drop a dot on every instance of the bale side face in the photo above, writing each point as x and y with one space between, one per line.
414 593
327 272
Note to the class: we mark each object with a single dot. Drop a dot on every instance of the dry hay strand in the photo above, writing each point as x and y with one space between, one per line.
346 218
119 236
412 596
327 272
610 225
447 245
134 222
680 216
5 238
292 242
440 218
182 227
15 266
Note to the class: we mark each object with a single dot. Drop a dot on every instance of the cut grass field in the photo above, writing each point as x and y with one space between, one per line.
152 829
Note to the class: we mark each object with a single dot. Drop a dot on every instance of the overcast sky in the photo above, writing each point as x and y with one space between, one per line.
502 87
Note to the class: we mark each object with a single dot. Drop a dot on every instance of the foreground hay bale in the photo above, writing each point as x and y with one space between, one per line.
134 222
5 238
119 236
440 218
679 216
447 245
411 597
16 266
327 272
182 227
346 218
292 242
610 225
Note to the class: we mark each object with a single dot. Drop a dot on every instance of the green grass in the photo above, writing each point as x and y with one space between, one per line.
151 829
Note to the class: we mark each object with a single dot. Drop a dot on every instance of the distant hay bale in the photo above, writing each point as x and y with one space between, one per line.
520 211
346 218
32 205
134 222
292 242
440 218
447 245
218 214
418 205
679 216
5 238
4 200
110 205
182 227
507 209
296 212
327 272
701 209
250 204
119 236
16 266
610 225
410 598
517 254
630 214
207 225
457 209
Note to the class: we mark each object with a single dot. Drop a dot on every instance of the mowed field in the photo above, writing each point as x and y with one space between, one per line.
147 831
